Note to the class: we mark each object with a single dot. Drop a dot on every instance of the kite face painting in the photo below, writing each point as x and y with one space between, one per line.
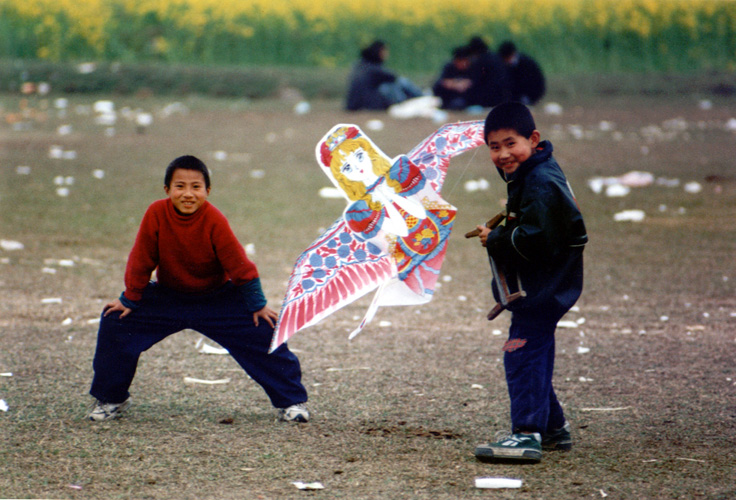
391 237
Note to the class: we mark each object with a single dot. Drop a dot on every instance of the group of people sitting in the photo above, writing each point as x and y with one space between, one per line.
476 76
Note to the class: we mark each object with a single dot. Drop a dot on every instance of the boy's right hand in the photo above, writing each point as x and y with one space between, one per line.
483 235
116 305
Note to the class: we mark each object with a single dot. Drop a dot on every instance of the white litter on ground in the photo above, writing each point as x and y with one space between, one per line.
308 486
629 215
497 482
11 245
192 380
3 405
330 192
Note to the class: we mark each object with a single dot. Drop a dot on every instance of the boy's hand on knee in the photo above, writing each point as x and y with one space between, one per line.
116 305
268 314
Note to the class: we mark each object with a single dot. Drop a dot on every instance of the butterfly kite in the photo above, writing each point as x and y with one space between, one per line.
391 237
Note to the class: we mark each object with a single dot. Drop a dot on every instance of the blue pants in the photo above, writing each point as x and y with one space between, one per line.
220 315
529 359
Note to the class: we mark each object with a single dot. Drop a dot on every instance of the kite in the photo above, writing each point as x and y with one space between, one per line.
392 236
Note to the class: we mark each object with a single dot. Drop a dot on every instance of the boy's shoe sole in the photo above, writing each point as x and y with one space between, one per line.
294 413
491 453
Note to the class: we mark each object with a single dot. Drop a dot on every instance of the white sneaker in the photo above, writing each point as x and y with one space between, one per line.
108 411
294 413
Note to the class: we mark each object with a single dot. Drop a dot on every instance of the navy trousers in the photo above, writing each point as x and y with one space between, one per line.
529 359
220 315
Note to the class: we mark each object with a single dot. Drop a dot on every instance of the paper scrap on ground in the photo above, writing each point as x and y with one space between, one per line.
205 348
308 486
497 482
51 300
620 408
11 245
3 405
192 380
629 215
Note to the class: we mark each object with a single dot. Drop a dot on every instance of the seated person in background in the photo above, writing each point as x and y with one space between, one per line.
488 74
453 84
373 87
525 75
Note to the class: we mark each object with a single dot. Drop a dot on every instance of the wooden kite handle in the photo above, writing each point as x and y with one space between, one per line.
495 221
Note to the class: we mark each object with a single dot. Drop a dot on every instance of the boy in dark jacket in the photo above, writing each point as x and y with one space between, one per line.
539 249
205 282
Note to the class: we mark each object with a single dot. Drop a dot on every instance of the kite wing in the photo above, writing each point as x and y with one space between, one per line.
334 271
341 266
433 154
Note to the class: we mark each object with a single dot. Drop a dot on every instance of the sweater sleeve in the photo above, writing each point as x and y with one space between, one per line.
143 258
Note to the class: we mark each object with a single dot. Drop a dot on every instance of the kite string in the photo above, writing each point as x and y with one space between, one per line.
462 174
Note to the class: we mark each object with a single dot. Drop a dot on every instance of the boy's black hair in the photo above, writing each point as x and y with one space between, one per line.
187 162
510 115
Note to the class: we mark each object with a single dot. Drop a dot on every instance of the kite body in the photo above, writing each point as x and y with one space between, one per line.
392 235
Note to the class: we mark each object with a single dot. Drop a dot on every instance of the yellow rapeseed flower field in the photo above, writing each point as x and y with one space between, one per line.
563 32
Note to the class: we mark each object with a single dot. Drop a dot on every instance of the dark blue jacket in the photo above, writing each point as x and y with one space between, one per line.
541 245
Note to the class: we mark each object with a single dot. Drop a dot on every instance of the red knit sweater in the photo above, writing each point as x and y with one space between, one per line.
193 254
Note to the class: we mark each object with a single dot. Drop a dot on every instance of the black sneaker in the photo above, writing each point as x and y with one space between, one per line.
512 448
558 439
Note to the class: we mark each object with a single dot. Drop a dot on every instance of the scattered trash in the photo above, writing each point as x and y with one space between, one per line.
74 486
553 109
220 155
67 321
308 486
6 374
497 482
250 248
693 187
477 185
11 245
629 215
497 332
384 324
462 298
3 405
567 324
257 174
583 350
617 190
192 380
205 348
690 460
603 493
620 408
374 125
51 300
417 107
446 278
302 108
585 379
23 170
346 369
331 192
476 386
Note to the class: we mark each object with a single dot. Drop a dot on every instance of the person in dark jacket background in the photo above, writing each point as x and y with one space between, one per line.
454 84
490 82
540 250
526 79
372 87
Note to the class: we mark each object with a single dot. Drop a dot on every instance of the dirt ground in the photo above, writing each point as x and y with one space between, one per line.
645 362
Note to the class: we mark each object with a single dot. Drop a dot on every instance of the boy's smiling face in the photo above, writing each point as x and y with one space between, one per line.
187 190
509 149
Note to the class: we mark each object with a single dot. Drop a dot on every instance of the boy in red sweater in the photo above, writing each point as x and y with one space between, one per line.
205 282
